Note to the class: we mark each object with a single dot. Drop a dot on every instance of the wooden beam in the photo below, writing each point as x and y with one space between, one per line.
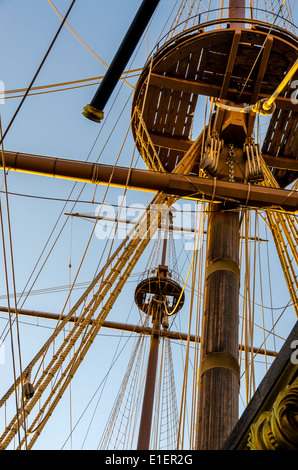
190 187
262 69
282 163
259 80
138 329
202 88
185 85
170 142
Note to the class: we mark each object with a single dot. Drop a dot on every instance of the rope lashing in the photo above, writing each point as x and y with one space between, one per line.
266 106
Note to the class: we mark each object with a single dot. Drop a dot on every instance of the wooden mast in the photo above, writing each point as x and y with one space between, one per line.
219 376
148 400
219 370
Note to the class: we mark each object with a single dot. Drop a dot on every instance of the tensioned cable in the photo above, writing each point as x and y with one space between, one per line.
126 390
258 248
64 86
198 332
106 192
270 287
270 331
194 266
256 251
38 71
128 176
180 434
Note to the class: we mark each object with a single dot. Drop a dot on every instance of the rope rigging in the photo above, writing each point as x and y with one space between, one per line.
83 42
114 280
63 86
38 71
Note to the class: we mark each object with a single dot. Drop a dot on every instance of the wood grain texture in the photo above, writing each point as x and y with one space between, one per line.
219 386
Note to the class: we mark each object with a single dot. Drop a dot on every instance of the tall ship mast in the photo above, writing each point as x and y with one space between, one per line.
184 335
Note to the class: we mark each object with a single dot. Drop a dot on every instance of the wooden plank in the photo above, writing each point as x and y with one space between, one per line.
190 45
288 133
161 110
267 139
190 115
262 69
258 83
153 94
277 134
173 159
227 78
188 102
230 65
204 56
189 119
293 151
176 98
174 107
290 146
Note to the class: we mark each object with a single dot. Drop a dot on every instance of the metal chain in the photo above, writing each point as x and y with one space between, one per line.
230 162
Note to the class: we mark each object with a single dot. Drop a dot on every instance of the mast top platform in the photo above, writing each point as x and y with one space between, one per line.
236 60
162 288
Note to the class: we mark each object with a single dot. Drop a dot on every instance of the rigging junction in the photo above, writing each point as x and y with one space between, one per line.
233 61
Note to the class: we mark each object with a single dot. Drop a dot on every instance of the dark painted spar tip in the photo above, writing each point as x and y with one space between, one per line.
94 110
